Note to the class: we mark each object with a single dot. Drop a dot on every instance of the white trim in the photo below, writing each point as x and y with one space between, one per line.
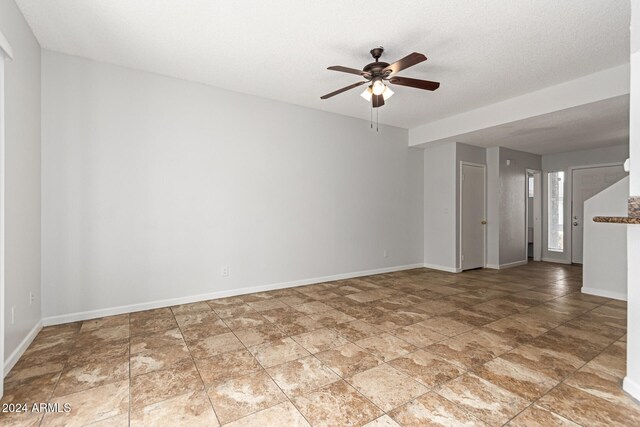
484 179
442 268
631 387
604 293
537 188
13 358
112 311
507 265
5 46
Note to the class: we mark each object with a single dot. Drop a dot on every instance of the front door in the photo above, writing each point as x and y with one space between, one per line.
586 183
472 216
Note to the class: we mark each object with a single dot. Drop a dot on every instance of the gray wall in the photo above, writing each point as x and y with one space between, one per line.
440 216
513 226
563 162
22 179
151 185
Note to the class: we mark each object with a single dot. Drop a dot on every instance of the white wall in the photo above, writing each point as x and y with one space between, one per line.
605 245
151 185
22 181
563 162
440 218
632 380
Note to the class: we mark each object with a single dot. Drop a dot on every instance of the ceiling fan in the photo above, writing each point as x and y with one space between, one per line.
378 73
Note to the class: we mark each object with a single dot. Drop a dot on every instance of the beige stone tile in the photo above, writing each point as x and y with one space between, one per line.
277 315
80 377
319 340
284 414
227 311
331 317
169 338
348 359
121 420
427 368
241 396
260 334
194 307
190 409
612 361
302 376
34 389
157 359
265 305
196 318
554 364
224 302
383 421
356 330
600 384
206 329
386 346
312 307
157 386
534 416
336 404
431 409
483 399
386 387
586 409
419 335
105 322
516 378
249 320
446 326
276 352
225 366
298 325
214 345
89 406
27 372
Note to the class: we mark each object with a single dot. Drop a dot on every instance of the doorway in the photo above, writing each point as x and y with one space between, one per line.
472 216
533 215
586 182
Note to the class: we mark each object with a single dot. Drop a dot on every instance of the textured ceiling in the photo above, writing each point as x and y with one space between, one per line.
481 51
598 124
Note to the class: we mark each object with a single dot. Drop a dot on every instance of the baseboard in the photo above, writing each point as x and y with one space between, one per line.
631 387
112 311
13 358
507 265
442 268
604 293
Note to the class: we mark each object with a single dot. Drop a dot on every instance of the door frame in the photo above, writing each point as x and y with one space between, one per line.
568 215
484 208
537 202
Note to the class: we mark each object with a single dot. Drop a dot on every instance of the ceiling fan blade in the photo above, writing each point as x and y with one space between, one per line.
348 70
377 101
419 84
344 89
406 62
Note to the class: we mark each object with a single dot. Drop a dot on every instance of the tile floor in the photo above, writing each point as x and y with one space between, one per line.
521 347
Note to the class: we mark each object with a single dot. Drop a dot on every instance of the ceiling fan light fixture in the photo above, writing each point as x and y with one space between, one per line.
378 87
368 93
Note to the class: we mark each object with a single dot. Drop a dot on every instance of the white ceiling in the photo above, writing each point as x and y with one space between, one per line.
599 124
481 51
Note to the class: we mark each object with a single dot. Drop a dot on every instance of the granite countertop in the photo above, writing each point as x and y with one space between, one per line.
633 218
617 219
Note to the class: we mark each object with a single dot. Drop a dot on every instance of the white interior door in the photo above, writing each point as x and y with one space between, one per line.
472 216
586 183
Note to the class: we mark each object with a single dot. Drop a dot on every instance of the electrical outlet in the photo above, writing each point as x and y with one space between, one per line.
224 271
13 314
32 298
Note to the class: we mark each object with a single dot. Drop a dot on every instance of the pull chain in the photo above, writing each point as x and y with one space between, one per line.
377 119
